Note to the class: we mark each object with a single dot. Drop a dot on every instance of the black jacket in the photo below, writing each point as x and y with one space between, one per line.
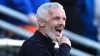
40 45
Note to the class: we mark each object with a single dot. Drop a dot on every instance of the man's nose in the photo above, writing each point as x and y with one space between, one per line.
62 22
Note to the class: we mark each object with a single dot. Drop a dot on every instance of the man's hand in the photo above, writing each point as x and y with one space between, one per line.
63 39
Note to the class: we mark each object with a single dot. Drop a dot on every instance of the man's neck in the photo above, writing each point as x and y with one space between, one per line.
42 31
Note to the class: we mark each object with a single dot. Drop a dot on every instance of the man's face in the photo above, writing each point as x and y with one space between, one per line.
55 23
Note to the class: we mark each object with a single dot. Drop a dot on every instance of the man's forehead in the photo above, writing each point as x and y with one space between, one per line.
56 12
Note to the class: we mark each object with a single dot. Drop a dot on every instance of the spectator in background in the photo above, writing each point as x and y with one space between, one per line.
87 16
28 7
97 20
73 22
97 17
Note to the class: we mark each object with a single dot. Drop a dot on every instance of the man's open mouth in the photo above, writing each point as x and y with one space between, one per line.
58 30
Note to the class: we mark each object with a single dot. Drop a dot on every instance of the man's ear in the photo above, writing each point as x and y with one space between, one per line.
41 23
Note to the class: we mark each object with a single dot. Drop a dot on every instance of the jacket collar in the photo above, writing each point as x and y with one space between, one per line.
45 40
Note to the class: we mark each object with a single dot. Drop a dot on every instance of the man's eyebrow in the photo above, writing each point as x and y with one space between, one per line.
56 16
59 17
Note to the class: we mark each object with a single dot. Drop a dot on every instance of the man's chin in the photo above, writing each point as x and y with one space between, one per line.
57 34
57 38
53 36
60 35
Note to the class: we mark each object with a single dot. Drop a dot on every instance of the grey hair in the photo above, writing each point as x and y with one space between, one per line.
43 9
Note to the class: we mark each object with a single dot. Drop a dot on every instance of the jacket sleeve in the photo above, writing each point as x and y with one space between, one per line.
64 50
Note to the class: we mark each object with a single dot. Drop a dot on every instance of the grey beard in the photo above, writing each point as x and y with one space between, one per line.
48 35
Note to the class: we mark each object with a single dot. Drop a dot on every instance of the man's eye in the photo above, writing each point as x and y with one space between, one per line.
56 18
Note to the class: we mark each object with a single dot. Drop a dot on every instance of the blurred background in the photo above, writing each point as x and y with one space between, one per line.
18 23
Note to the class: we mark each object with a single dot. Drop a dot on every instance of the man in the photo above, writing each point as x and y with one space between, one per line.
51 21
